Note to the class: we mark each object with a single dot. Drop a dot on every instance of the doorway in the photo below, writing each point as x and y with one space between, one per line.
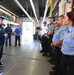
28 30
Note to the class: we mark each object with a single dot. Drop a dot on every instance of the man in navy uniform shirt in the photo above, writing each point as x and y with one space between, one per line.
2 39
8 30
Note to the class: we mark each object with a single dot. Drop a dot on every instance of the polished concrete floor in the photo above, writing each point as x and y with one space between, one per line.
25 60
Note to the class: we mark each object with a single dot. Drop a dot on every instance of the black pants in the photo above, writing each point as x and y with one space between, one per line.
44 43
17 38
67 65
1 52
53 55
58 58
8 38
49 45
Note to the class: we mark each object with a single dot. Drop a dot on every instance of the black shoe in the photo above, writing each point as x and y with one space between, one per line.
50 60
15 45
53 68
53 63
41 51
6 45
10 45
48 56
2 64
44 55
19 45
52 73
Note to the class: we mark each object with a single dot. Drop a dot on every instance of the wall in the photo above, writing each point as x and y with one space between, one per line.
64 7
26 19
13 24
61 7
67 7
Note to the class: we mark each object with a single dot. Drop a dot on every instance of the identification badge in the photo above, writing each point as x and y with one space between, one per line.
71 35
64 32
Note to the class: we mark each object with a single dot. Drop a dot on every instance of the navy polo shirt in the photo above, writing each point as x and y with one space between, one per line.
2 37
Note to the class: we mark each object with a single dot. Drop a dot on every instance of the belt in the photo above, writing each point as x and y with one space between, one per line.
68 56
57 47
44 37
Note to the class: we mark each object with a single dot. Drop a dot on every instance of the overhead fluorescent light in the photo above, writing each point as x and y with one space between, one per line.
45 12
18 3
32 4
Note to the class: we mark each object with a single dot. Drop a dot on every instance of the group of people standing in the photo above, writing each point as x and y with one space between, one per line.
17 33
5 35
57 39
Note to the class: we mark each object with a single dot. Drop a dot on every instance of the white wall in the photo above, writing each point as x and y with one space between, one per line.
61 8
6 22
64 7
13 25
26 19
67 7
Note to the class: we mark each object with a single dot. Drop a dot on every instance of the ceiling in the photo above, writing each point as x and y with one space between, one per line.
13 7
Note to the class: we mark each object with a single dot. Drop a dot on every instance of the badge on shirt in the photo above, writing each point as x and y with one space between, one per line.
71 35
64 32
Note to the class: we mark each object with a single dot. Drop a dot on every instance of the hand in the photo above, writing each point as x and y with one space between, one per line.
48 37
5 35
52 45
17 34
40 36
8 32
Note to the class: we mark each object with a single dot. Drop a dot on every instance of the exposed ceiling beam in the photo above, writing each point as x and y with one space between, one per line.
7 10
33 7
22 8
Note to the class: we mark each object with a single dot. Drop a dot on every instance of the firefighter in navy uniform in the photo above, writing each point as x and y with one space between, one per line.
2 39
8 30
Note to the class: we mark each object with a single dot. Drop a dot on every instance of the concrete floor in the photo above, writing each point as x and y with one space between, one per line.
25 60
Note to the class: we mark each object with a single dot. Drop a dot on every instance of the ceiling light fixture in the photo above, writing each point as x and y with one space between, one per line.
17 2
45 12
33 7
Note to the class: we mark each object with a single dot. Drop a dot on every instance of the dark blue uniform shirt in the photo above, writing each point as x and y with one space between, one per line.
2 37
8 30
